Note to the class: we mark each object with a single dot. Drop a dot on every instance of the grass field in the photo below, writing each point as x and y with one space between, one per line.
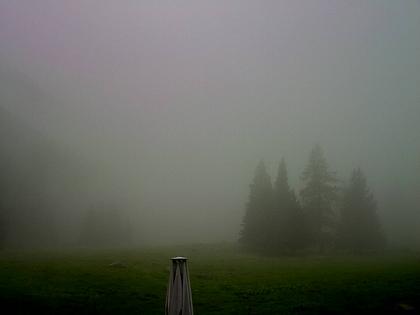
224 281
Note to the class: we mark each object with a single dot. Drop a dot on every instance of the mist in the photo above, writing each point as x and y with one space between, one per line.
157 113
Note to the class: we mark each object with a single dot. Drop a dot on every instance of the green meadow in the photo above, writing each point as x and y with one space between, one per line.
224 280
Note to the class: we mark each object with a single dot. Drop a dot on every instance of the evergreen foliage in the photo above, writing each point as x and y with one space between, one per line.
276 221
318 197
359 228
288 224
258 210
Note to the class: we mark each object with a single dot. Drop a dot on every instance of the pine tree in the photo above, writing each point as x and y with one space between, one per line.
318 196
256 231
281 185
289 228
359 229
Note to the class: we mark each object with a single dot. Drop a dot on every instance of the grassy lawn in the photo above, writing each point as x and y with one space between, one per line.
224 281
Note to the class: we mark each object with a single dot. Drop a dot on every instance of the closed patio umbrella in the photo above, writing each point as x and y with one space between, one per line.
178 295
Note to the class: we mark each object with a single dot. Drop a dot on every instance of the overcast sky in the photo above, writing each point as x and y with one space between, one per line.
179 100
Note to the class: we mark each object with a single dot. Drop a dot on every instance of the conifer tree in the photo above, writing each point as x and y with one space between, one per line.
359 229
289 227
318 196
256 232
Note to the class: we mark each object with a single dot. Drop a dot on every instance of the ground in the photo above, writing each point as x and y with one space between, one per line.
224 279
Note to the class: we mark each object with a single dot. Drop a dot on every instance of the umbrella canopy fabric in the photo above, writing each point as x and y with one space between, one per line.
178 295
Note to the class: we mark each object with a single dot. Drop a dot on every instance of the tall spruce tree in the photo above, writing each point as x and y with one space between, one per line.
288 223
318 196
256 230
359 228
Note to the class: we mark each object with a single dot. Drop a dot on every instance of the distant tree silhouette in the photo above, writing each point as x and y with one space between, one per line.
359 228
28 164
276 221
288 222
256 230
318 196
105 226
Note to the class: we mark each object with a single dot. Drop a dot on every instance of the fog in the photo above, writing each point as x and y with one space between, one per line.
162 110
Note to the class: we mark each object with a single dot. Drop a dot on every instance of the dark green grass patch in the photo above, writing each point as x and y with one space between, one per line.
224 281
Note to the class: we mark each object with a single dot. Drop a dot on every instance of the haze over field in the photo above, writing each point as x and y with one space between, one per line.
162 110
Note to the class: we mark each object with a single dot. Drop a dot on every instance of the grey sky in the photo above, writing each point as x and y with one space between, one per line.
178 100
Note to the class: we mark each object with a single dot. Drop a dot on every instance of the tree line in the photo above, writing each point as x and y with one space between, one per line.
39 183
322 217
